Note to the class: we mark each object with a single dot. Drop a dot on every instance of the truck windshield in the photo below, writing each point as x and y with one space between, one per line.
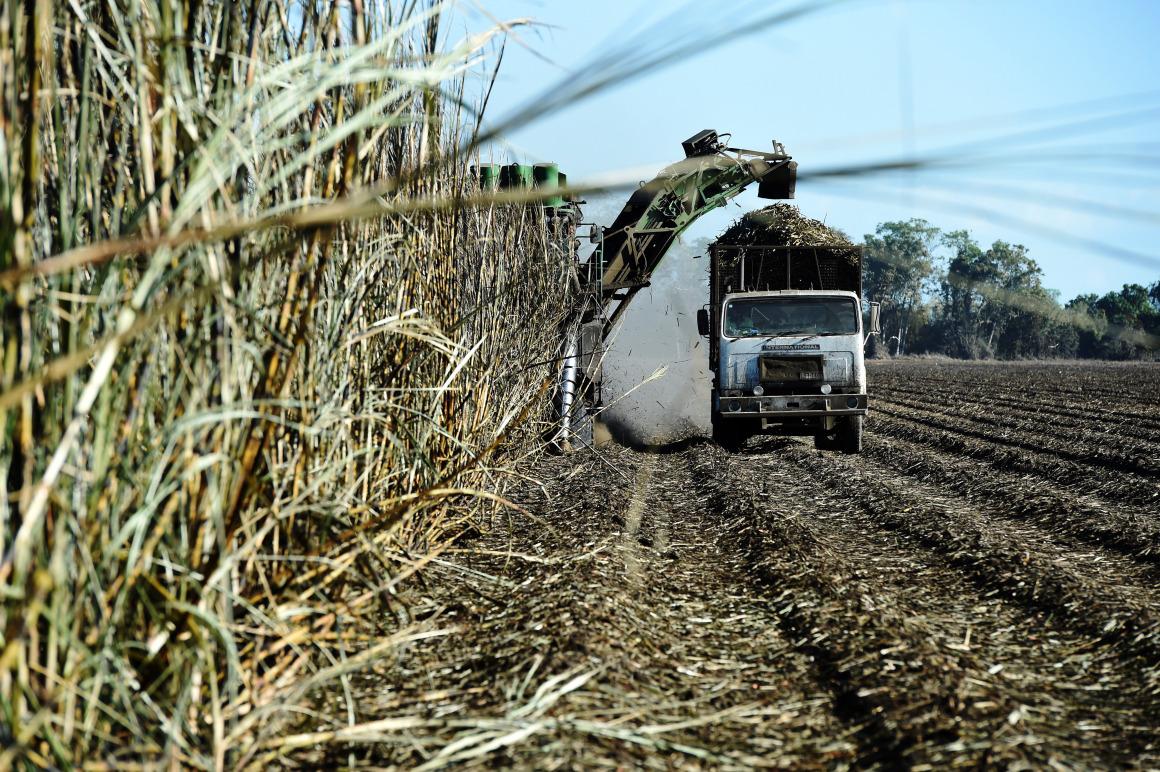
788 316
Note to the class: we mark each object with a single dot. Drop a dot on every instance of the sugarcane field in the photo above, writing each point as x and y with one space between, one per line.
441 385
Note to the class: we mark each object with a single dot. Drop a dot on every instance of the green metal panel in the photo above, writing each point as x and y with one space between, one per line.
569 199
488 175
547 176
516 176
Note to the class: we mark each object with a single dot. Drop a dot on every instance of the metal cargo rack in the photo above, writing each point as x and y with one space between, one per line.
767 268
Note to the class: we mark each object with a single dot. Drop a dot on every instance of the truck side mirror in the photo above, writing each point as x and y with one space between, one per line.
703 322
875 319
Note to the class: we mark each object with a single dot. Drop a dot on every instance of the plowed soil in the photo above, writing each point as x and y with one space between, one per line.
980 588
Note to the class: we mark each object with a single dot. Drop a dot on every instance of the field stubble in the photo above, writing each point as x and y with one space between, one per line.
974 590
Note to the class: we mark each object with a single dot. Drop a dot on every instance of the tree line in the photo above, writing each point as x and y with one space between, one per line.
942 292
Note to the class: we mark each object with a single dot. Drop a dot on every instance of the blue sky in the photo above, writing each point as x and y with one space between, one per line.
1049 110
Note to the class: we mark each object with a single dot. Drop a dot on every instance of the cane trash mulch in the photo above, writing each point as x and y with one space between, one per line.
911 607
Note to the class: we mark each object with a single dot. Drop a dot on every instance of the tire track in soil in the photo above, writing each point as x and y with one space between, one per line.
804 619
636 580
629 544
858 597
728 616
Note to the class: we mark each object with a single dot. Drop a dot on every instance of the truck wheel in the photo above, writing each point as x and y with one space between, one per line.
730 435
850 435
825 441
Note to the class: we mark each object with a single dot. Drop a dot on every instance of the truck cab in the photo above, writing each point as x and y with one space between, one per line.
790 362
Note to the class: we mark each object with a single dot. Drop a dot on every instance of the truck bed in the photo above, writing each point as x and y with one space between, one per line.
760 268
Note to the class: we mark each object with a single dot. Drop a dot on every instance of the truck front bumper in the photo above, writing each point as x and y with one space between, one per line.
789 406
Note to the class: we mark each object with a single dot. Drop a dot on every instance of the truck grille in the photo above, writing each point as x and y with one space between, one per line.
793 370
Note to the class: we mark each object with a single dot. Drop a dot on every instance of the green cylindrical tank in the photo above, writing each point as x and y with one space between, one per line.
488 176
548 178
516 176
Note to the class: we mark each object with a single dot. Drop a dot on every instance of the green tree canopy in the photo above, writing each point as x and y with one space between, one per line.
1116 317
899 264
986 292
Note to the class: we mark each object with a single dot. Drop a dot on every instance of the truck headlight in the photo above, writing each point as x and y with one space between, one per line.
758 390
825 388
851 402
734 406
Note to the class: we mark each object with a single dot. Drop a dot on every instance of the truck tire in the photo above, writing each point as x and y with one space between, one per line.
850 435
730 435
826 441
845 437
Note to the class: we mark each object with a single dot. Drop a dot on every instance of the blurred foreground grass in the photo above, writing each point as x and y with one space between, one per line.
233 418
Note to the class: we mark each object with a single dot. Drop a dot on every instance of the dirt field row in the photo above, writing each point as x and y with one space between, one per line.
977 589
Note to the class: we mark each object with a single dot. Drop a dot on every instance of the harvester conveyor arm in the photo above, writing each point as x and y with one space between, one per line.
663 208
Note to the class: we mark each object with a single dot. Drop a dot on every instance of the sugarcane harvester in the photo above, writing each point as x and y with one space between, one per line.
629 251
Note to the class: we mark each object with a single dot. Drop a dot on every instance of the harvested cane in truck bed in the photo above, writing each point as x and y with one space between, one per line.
778 248
782 225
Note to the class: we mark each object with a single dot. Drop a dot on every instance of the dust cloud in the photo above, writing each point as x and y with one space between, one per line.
660 329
